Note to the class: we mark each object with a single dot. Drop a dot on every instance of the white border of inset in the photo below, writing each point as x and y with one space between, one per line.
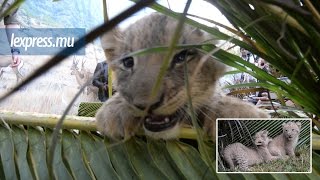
272 119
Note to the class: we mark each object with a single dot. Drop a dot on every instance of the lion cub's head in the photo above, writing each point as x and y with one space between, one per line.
135 76
291 130
261 139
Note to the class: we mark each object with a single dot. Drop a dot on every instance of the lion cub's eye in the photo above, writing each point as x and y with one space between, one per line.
128 62
182 56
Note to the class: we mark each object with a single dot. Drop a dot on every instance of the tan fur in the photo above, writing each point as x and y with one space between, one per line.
122 115
243 156
285 143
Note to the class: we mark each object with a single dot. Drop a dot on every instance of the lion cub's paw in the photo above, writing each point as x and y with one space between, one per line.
108 123
114 119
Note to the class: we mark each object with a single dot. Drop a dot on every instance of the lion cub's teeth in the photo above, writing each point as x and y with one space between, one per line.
166 120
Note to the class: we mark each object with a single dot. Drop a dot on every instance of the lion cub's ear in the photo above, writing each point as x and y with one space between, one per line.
283 125
204 36
197 36
298 124
265 133
109 42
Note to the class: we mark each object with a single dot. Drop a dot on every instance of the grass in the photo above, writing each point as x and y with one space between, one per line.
51 93
301 163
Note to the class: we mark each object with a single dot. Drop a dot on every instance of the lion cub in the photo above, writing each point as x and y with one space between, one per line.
243 156
132 107
285 143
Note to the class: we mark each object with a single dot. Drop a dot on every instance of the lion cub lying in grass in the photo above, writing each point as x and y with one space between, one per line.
243 156
123 114
267 149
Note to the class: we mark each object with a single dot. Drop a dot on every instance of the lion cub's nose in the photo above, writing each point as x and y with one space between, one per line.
144 106
140 106
153 106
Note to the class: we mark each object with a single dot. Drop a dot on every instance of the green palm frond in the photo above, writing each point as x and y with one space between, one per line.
82 154
85 154
288 39
88 109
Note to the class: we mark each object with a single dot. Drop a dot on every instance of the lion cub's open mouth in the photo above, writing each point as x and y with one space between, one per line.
157 123
290 138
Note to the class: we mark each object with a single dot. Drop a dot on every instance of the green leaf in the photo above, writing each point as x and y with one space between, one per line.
97 157
315 164
37 153
7 154
20 140
60 171
189 161
72 154
120 161
163 160
142 161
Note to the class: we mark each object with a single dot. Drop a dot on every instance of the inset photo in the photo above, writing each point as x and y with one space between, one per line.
261 145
